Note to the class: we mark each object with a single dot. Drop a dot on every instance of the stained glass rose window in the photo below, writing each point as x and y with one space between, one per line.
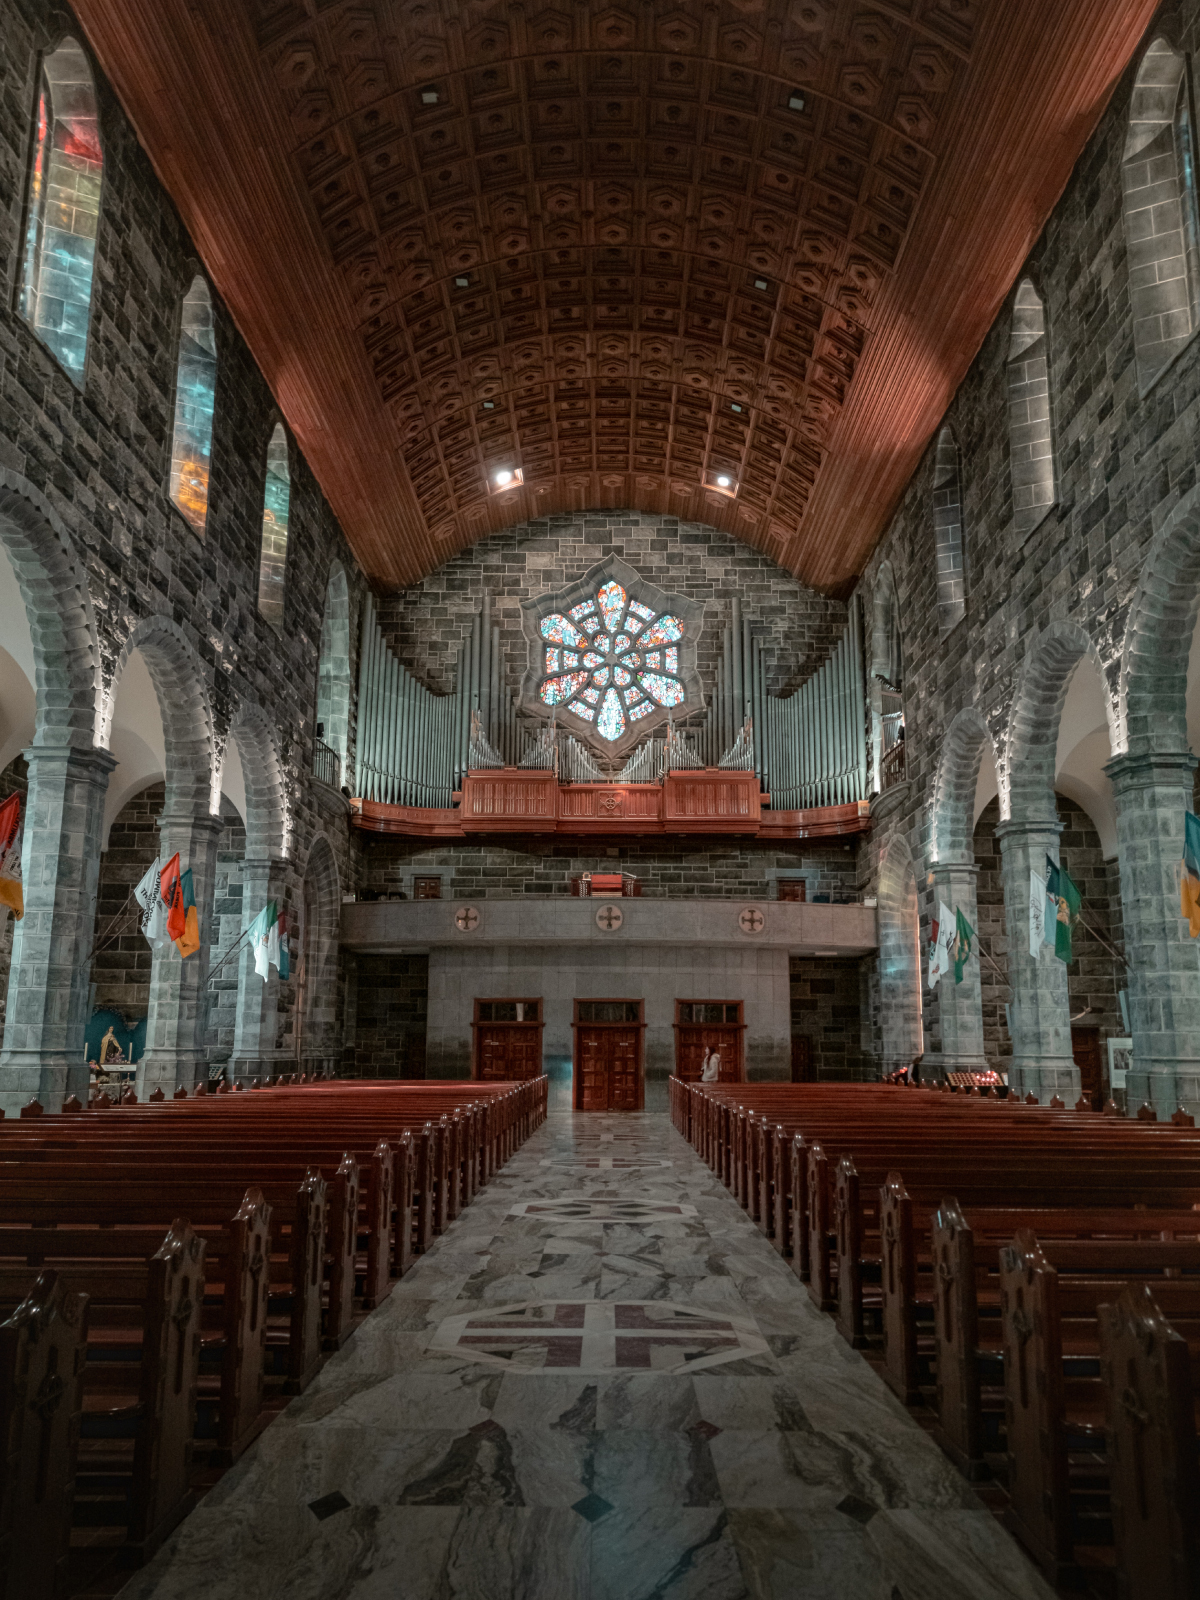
611 661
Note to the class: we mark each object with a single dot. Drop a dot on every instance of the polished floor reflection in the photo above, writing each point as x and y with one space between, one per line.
601 1384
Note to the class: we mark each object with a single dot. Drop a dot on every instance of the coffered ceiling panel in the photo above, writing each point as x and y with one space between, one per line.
725 259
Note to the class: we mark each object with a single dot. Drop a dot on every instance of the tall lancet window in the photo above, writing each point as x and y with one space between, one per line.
1162 211
63 212
272 567
195 397
1031 446
948 532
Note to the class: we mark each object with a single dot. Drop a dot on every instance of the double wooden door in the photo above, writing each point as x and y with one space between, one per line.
708 1025
508 1040
1085 1047
608 1055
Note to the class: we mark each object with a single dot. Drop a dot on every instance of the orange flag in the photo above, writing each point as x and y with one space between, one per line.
171 888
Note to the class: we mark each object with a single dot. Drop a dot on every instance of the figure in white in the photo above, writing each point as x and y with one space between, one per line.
710 1067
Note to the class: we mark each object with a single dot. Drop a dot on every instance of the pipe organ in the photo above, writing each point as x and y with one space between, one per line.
416 748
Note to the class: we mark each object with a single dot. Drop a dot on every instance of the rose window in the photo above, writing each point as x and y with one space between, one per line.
610 661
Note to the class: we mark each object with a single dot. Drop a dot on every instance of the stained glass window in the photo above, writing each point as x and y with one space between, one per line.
66 170
620 683
276 497
195 395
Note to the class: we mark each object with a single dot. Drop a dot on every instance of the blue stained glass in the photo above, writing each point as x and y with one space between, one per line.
591 623
592 696
577 613
559 630
665 631
583 711
633 661
612 600
620 677
654 660
610 724
557 690
602 642
570 659
638 712
600 679
633 624
640 610
667 691
552 661
593 660
272 566
672 659
623 643
195 399
633 695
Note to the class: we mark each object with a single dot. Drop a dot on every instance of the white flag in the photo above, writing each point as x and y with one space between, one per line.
258 934
1037 913
148 894
946 935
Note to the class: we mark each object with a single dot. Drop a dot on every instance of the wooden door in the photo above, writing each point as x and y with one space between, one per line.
1085 1047
608 1055
708 1024
802 1067
508 1040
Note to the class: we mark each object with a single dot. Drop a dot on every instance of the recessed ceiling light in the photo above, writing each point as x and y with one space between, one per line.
732 407
429 97
503 477
761 283
462 283
795 101
507 478
724 481
489 405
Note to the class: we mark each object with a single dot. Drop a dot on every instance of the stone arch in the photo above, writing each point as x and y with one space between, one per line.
177 674
333 668
1158 635
899 956
266 816
317 999
62 623
952 819
1027 772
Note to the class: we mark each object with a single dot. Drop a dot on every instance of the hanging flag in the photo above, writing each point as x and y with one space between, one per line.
1189 885
1063 889
1037 913
148 894
965 933
11 893
189 940
934 969
171 893
282 958
940 960
258 934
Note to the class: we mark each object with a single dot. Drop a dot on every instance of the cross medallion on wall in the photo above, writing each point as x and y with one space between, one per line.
466 919
751 920
609 918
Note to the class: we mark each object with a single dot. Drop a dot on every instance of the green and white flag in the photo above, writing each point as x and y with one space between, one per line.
964 935
1063 890
260 933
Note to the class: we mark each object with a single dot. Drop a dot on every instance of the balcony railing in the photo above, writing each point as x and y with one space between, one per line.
327 764
891 756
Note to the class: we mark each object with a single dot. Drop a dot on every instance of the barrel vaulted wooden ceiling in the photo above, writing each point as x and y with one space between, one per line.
623 248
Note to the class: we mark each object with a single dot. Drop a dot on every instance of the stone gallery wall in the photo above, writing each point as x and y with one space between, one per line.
427 624
392 1007
826 1000
96 457
1123 461
665 869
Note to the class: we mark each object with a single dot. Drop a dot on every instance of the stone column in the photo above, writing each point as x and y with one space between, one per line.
960 1005
1152 793
175 1053
49 979
255 1027
1042 1062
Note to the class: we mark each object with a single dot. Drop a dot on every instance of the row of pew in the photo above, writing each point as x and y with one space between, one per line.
169 1271
1032 1272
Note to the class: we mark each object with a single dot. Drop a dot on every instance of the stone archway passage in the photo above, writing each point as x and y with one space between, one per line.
600 1383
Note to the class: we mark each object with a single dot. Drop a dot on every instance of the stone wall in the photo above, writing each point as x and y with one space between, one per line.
121 958
827 1002
392 1001
664 869
96 457
427 624
1124 460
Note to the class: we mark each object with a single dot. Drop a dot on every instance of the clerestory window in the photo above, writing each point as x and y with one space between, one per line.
195 398
272 567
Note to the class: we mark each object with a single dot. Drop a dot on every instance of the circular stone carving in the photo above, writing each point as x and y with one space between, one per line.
466 919
609 918
751 920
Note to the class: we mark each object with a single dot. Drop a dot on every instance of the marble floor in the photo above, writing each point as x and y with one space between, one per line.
601 1382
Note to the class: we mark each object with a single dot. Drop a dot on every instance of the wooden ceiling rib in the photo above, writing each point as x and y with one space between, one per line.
604 244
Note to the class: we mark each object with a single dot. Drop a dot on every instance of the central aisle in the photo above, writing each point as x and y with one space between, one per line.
602 1382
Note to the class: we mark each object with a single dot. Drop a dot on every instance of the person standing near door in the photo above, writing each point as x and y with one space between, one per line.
710 1066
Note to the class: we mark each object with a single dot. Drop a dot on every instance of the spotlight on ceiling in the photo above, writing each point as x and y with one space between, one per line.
506 478
761 283
489 405
721 482
429 97
795 101
734 407
462 283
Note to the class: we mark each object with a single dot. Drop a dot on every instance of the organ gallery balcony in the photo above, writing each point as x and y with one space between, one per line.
802 928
